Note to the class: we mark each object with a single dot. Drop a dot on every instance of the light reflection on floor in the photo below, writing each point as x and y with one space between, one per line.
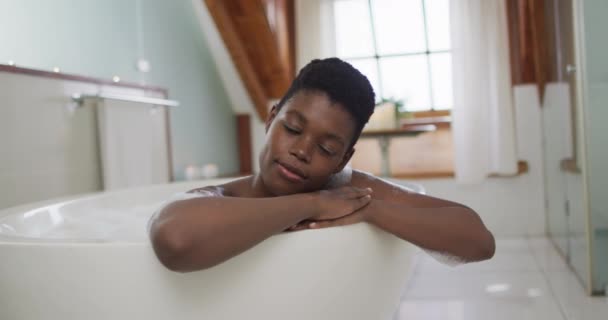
526 279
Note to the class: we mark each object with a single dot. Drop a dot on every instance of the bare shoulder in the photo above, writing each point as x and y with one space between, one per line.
208 191
382 188
391 191
234 188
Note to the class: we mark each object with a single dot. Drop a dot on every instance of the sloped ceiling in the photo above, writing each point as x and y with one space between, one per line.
259 38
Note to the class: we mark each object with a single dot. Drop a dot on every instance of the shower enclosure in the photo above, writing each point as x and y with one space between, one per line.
575 145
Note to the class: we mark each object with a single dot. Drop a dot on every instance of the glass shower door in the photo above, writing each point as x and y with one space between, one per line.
575 145
567 214
595 114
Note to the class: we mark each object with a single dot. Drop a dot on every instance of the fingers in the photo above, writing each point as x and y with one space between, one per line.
295 228
362 202
350 219
316 225
300 226
322 224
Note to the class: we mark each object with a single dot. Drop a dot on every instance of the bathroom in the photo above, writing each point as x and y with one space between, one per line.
142 99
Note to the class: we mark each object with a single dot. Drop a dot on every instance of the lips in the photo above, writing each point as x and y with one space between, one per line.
290 172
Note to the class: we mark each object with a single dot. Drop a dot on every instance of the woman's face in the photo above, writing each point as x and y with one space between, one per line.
306 142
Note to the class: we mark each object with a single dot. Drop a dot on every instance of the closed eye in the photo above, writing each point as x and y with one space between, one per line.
291 130
326 150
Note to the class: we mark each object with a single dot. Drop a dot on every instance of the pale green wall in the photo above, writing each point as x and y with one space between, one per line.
100 38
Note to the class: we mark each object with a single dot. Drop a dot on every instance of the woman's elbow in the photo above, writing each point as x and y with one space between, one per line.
487 246
170 246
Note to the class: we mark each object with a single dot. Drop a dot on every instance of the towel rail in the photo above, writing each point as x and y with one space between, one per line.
79 99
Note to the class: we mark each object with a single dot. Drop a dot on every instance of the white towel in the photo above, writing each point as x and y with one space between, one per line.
133 144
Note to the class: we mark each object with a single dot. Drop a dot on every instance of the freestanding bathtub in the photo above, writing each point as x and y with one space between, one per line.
90 258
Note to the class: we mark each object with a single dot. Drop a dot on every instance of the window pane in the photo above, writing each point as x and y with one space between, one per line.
353 28
441 73
438 24
406 78
399 26
370 69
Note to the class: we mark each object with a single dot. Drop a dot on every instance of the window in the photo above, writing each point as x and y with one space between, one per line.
402 46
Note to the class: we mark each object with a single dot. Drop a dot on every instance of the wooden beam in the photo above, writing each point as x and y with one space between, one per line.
281 16
239 56
250 19
539 44
528 42
513 28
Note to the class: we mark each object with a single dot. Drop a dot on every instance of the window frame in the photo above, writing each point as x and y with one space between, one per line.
429 113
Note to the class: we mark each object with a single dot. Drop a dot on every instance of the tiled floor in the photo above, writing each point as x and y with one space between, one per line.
526 279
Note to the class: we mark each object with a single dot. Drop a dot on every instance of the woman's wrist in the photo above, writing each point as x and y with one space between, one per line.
309 204
368 212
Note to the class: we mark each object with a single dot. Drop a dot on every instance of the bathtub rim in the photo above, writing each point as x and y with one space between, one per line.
64 200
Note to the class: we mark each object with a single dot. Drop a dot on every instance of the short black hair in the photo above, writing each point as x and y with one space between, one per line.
342 83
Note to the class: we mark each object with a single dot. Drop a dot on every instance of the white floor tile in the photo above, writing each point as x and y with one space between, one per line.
510 255
495 285
480 309
546 255
573 299
526 279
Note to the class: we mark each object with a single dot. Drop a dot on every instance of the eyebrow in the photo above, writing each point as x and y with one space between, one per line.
330 135
298 115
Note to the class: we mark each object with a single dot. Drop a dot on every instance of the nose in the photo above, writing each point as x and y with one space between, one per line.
301 149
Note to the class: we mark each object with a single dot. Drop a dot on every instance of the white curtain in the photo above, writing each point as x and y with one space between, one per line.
315 31
483 125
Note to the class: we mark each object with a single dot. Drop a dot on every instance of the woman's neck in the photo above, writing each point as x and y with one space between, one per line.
257 187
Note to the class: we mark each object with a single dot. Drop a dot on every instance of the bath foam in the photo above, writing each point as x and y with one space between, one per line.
445 258
108 222
103 224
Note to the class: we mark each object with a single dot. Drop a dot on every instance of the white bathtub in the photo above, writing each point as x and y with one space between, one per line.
89 258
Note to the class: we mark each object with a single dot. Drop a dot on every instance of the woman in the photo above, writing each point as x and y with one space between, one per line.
302 184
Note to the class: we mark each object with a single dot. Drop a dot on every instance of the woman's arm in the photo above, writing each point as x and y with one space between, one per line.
430 223
199 233
448 229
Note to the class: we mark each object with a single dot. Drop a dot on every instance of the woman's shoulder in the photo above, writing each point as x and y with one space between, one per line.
234 188
382 188
349 177
362 179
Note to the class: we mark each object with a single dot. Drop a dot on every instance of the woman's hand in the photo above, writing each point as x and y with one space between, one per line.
336 203
356 217
337 207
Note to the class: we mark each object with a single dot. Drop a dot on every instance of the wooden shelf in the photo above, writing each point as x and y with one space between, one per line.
439 122
522 168
409 131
